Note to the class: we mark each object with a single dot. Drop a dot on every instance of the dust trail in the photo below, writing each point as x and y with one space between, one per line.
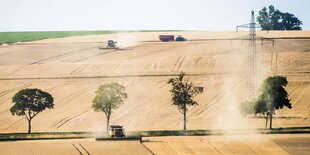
228 117
125 40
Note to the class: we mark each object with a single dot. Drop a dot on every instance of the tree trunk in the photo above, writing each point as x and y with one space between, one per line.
266 124
270 125
108 123
184 114
29 126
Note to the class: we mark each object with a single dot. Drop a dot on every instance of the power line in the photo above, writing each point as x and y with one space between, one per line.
251 57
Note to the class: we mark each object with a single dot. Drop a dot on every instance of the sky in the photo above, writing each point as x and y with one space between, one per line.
210 15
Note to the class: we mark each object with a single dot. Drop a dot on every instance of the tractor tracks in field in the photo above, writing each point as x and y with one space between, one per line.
175 64
77 149
294 90
68 119
165 49
14 123
301 94
100 53
210 143
79 70
14 89
218 98
10 91
67 99
84 148
64 54
16 70
80 148
148 149
97 54
178 63
197 60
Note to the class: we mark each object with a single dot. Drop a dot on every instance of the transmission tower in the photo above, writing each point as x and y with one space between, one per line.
251 70
251 57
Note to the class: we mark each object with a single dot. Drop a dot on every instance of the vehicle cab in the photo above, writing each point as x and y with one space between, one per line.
116 131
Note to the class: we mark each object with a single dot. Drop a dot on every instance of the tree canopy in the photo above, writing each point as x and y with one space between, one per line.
109 97
274 93
182 93
273 97
273 19
30 102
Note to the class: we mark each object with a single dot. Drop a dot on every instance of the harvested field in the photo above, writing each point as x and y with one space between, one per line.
72 68
236 144
84 146
233 144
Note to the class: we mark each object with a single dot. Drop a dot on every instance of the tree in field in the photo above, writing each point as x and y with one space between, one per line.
272 19
274 95
30 102
182 93
109 97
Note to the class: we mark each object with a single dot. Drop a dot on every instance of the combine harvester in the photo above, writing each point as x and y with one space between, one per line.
111 44
117 132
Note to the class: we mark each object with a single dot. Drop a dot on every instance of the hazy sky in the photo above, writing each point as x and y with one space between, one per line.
47 15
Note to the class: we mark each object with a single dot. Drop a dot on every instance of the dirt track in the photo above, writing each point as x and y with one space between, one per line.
63 67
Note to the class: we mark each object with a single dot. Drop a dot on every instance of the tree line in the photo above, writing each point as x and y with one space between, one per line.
28 103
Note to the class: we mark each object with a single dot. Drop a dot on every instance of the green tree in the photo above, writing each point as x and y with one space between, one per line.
30 102
260 108
182 93
272 19
257 107
109 97
269 18
290 22
274 95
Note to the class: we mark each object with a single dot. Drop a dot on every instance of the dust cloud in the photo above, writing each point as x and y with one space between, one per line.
125 40
234 90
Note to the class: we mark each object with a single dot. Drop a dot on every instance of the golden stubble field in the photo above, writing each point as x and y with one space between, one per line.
72 68
229 144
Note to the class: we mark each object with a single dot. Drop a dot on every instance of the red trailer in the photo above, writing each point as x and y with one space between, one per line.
166 37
